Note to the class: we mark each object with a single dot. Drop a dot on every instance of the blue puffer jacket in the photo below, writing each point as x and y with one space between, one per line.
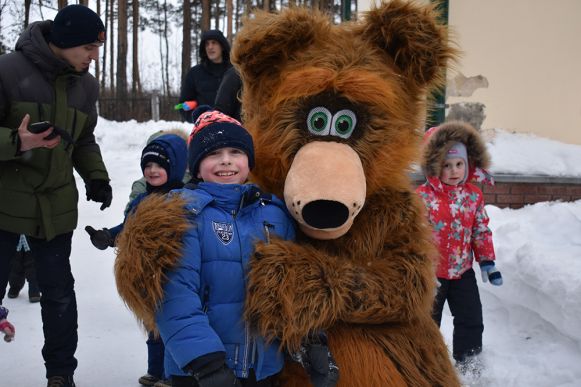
204 296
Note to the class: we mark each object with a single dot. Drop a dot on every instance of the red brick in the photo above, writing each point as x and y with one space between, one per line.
564 198
574 190
520 188
529 199
553 189
509 198
516 206
489 198
501 188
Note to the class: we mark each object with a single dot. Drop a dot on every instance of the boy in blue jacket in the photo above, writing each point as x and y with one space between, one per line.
193 251
201 315
163 162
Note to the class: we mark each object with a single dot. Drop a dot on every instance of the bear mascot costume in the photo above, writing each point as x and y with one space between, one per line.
336 113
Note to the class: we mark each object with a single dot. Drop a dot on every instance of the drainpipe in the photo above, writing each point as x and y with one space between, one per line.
346 11
438 114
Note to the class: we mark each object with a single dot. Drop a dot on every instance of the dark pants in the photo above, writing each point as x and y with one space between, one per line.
155 350
23 268
58 302
464 302
189 381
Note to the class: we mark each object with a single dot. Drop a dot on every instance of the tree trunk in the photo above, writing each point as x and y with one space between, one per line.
135 79
165 35
26 12
237 15
62 4
217 15
111 47
161 57
97 64
266 5
186 39
84 2
121 75
229 10
205 15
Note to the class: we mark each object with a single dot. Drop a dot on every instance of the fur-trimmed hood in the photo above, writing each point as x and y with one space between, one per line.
149 246
438 141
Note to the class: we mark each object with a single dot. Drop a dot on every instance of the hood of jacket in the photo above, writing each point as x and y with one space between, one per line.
34 45
220 38
438 141
176 149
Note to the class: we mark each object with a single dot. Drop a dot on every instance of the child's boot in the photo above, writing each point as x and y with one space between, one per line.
148 380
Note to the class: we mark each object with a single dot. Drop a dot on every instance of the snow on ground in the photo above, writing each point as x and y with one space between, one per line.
532 333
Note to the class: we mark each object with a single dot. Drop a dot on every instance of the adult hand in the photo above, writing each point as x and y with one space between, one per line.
29 140
100 191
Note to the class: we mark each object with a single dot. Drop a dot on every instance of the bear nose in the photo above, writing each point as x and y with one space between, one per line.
323 214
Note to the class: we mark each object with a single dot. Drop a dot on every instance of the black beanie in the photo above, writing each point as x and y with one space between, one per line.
76 25
155 152
214 130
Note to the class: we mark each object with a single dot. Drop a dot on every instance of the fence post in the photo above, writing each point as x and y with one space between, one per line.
155 107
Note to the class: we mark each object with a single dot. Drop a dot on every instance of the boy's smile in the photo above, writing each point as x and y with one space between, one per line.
225 166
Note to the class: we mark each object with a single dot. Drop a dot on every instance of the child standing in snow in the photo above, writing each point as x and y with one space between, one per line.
454 155
163 162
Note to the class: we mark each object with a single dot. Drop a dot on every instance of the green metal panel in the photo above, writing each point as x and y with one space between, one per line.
346 10
437 115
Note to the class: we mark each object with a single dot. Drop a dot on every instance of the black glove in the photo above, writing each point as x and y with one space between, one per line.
99 191
215 374
316 358
101 239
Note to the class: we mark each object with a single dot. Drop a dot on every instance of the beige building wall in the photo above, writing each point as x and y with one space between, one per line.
528 52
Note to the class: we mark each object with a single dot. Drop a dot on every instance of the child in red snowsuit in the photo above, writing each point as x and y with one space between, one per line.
454 156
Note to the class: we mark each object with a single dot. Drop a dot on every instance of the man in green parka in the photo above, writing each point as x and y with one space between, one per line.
47 79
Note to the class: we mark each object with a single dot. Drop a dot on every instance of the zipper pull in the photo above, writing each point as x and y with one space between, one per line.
267 227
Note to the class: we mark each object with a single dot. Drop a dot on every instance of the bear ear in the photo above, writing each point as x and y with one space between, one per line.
267 40
411 35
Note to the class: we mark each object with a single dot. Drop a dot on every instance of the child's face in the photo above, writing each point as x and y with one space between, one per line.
224 166
154 174
453 171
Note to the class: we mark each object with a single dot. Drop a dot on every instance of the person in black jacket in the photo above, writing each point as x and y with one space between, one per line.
228 97
202 81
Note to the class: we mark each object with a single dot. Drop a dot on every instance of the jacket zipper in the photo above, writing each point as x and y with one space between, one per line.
267 226
245 372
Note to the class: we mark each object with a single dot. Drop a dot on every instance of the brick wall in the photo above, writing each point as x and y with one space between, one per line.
515 191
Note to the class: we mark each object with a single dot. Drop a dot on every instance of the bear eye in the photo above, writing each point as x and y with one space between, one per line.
319 121
343 123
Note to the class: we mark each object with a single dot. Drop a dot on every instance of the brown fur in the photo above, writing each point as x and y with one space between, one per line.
371 289
148 247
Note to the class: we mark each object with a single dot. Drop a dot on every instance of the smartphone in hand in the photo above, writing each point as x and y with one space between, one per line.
39 127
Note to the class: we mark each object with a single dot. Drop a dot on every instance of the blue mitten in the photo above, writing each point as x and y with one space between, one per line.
489 272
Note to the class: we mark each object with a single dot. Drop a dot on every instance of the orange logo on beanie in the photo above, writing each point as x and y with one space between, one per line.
209 118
